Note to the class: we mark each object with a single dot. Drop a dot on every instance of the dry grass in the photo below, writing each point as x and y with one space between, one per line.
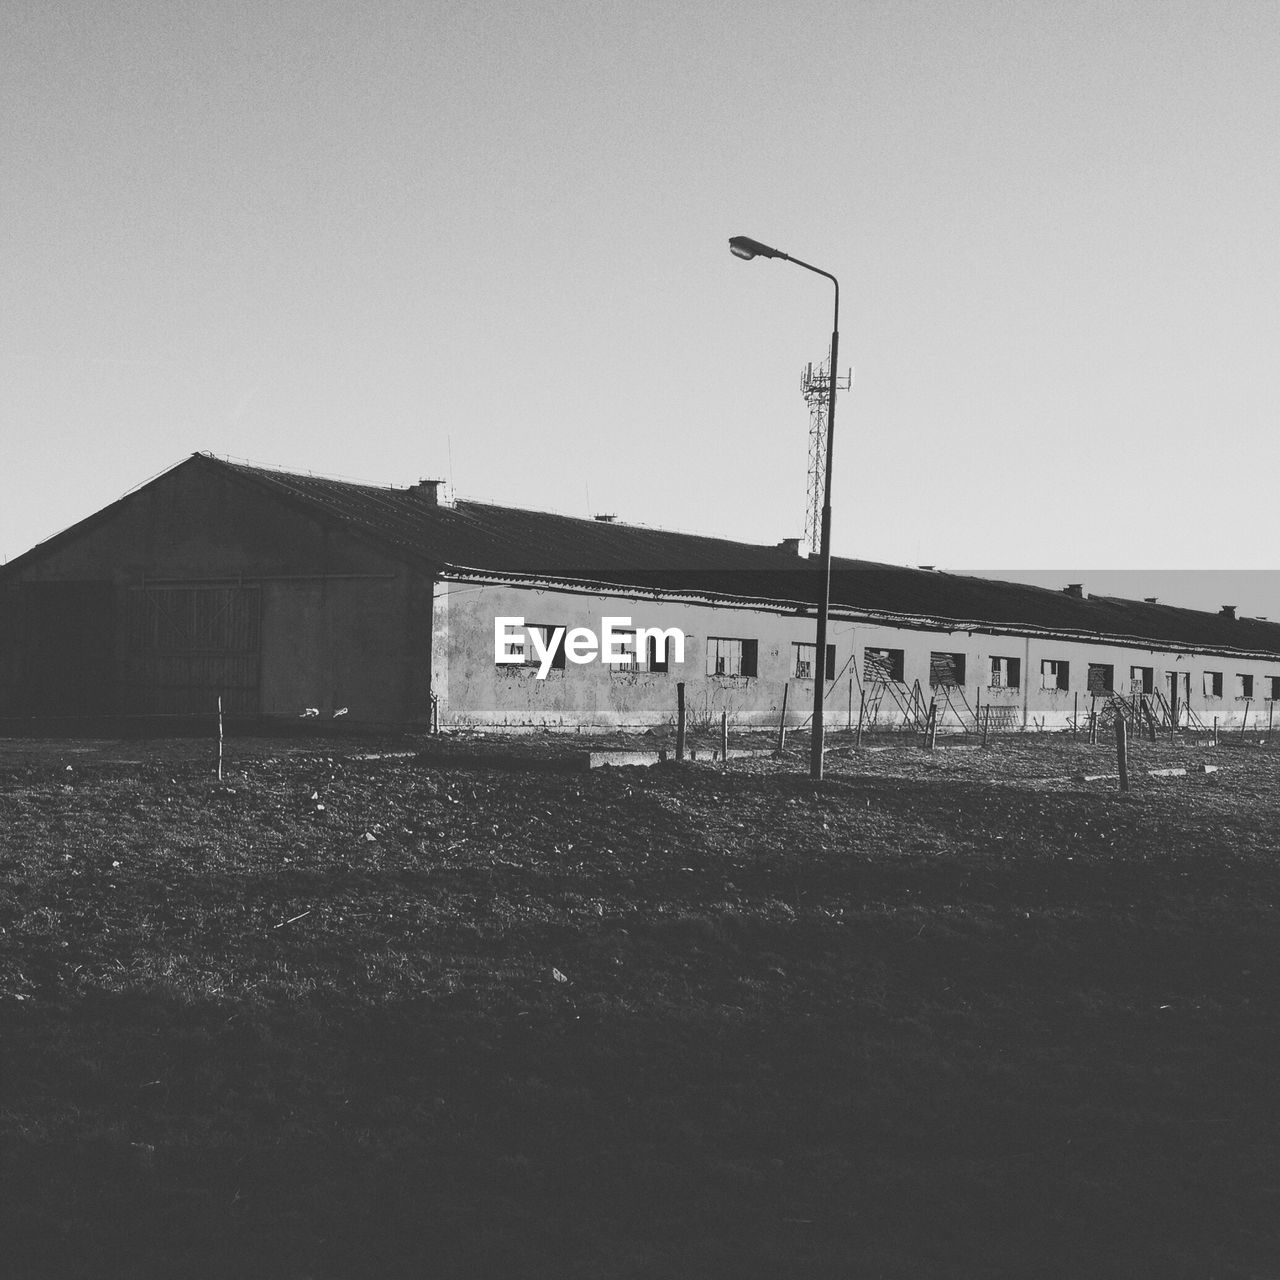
948 1015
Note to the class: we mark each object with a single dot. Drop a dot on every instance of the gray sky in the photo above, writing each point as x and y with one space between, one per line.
394 240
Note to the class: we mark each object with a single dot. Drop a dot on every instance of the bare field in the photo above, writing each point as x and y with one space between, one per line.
949 1014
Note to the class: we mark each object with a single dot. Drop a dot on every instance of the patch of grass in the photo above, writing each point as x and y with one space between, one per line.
946 1014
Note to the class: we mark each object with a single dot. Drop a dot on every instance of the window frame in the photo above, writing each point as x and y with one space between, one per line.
1147 677
797 647
530 654
1061 673
748 658
1106 674
896 665
1012 672
959 663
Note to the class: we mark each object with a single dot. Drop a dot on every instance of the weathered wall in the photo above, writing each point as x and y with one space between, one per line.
474 690
341 622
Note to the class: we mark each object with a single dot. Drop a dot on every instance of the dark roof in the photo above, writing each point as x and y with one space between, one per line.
482 538
510 541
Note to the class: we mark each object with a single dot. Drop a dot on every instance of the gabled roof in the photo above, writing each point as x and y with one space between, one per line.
482 539
507 541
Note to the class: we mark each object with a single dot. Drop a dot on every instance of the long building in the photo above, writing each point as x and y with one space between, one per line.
293 595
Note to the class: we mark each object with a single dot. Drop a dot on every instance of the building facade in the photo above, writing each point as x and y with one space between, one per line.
291 596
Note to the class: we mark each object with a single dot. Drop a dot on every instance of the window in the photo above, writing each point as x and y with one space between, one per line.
626 643
1006 673
883 665
727 657
1275 688
802 667
531 658
1244 686
1101 678
1213 684
1142 679
658 661
1055 674
946 670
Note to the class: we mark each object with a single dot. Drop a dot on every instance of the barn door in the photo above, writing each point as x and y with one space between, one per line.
189 645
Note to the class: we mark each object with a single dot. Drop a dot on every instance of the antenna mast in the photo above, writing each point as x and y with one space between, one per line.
816 384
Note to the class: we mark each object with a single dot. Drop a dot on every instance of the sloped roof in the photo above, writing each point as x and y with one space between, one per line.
476 538
509 541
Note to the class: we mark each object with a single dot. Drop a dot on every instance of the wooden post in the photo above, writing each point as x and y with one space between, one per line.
219 737
1244 724
724 737
1075 716
680 720
931 725
1271 710
986 727
850 702
782 719
977 709
862 710
1215 731
1122 753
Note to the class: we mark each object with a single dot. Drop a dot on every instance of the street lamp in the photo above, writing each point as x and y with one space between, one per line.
746 248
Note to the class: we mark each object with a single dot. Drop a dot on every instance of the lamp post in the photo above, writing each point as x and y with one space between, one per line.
745 247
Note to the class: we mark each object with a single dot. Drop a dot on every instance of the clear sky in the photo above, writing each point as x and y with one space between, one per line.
487 241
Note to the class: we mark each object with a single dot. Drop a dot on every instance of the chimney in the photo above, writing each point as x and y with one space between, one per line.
1075 589
790 545
1150 599
606 519
429 490
1227 611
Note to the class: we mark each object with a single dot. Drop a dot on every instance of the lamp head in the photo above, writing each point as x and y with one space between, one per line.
747 248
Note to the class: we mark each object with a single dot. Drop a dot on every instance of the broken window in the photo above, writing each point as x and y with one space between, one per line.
658 659
1142 679
1101 678
1213 684
883 665
1244 686
946 670
1006 673
625 642
531 658
802 667
728 657
1055 674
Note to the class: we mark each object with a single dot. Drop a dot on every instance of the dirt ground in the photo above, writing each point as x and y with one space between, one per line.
397 1006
